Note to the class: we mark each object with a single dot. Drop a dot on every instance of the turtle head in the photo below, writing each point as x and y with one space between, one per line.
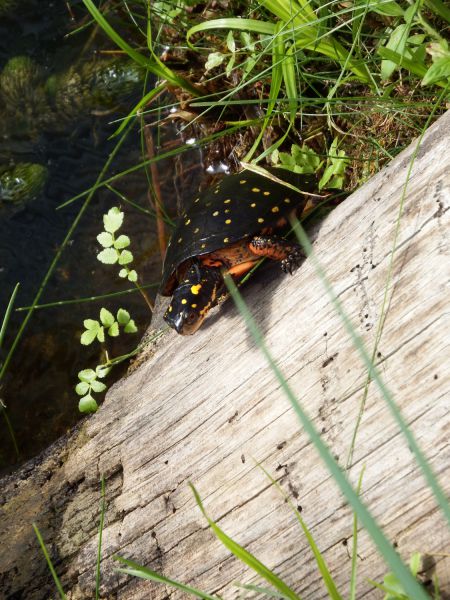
196 293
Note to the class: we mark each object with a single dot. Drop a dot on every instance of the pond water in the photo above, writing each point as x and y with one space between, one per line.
38 388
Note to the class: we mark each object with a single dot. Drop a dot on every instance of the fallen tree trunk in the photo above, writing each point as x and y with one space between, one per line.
205 408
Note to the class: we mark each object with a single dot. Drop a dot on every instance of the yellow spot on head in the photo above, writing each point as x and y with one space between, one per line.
253 204
227 201
228 221
184 301
243 181
287 200
196 288
260 220
170 308
266 193
255 189
226 240
187 222
275 209
193 306
215 213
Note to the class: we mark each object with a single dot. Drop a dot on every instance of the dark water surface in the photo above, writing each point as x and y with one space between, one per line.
38 387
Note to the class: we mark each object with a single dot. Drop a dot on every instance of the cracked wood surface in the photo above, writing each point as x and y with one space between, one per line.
204 408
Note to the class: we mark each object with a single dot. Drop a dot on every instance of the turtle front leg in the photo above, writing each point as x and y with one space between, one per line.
270 246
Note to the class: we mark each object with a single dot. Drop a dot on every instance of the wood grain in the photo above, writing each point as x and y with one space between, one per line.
205 408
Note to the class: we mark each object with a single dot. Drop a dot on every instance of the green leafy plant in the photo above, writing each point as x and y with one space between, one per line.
89 383
393 587
409 42
334 172
115 247
114 252
96 329
305 160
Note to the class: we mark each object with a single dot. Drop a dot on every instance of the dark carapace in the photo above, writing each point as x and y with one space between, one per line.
227 229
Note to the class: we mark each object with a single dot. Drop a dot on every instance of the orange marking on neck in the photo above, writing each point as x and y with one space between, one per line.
242 268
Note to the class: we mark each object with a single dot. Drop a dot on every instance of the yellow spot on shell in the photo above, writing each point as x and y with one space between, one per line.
184 301
228 221
195 289
215 213
187 222
243 181
226 240
180 240
197 200
275 209
203 246
196 230
227 201
266 193
227 210
170 308
287 200
260 220
255 189
193 306
253 204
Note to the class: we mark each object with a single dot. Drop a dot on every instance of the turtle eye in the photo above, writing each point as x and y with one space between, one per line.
191 318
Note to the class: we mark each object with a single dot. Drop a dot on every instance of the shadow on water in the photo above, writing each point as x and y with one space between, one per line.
38 386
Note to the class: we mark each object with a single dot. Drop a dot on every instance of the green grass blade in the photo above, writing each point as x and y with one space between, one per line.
144 573
154 65
261 590
230 23
278 55
290 82
49 562
275 86
439 8
245 556
429 476
87 298
413 66
142 102
320 561
353 577
302 22
384 546
8 312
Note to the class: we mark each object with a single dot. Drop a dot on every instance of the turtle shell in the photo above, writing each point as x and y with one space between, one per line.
238 207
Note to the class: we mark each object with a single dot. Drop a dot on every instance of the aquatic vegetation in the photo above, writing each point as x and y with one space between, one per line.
22 182
31 105
7 6
101 84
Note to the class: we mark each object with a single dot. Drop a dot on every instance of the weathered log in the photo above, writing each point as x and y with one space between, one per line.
204 408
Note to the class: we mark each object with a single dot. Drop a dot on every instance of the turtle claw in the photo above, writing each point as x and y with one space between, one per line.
292 261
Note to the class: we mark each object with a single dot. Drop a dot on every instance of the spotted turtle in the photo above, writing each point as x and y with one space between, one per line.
227 229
